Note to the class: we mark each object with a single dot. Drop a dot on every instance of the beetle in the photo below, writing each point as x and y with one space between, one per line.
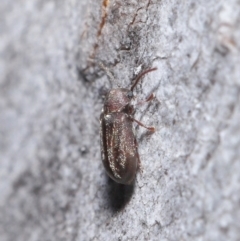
119 148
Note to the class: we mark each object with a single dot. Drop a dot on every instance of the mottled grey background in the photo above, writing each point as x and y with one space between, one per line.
52 183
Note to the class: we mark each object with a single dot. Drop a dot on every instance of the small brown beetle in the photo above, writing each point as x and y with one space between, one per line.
118 144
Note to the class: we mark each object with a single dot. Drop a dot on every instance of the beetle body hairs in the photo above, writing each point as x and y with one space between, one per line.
119 147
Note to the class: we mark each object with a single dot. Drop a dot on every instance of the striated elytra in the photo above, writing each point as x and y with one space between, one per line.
119 147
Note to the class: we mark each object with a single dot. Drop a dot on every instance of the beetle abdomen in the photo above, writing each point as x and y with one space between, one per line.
119 147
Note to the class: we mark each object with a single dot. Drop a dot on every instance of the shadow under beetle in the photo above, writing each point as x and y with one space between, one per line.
119 147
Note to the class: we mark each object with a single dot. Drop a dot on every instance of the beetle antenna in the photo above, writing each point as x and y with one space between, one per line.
140 76
107 71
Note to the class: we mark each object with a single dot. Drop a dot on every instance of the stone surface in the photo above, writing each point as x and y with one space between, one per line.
52 183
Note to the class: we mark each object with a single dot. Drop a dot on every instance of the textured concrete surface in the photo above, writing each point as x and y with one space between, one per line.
52 183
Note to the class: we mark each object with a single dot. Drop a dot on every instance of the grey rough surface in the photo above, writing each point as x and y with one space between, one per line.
52 183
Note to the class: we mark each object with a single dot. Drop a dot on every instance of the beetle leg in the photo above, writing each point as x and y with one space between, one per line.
149 98
150 128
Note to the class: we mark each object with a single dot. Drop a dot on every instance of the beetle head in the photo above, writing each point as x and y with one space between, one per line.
117 99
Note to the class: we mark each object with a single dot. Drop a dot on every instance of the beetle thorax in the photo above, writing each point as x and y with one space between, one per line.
117 100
